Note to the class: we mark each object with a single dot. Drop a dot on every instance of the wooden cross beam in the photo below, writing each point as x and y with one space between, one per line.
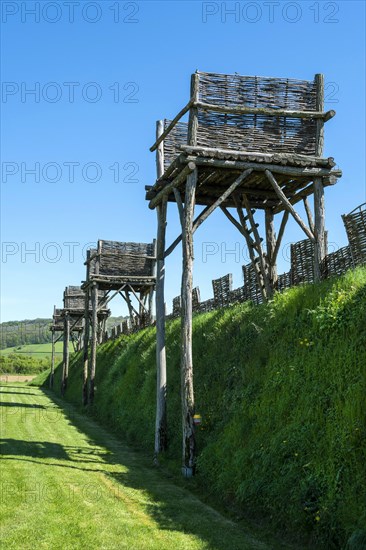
280 235
137 298
309 214
208 210
127 299
106 301
288 206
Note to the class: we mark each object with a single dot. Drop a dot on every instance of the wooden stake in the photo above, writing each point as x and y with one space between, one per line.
189 444
94 341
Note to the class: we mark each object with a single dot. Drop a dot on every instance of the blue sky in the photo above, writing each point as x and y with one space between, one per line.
100 84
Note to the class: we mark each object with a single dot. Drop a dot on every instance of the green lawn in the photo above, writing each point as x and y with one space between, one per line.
38 350
66 483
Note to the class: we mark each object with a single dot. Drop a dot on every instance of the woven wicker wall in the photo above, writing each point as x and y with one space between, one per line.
196 299
121 259
256 132
284 281
302 262
355 224
176 137
337 262
222 288
74 298
252 290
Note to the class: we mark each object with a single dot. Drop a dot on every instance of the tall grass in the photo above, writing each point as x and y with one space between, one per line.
281 390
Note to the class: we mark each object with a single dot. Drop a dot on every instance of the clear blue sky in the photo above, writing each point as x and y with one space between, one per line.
146 51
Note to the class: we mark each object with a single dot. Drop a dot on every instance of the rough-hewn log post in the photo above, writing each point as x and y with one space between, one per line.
193 112
66 354
161 211
271 245
86 348
319 227
189 444
319 207
94 341
52 373
161 420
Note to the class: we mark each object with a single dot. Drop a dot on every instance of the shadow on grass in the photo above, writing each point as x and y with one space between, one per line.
172 507
17 392
22 405
36 449
20 385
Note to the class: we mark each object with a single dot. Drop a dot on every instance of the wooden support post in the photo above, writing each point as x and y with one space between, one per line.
161 441
85 362
66 354
271 245
189 444
193 112
100 330
93 354
52 373
319 207
319 228
86 346
161 380
319 82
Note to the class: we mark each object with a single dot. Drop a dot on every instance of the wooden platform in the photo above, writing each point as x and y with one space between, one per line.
217 170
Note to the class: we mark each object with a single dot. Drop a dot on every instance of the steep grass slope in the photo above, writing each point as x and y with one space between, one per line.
281 390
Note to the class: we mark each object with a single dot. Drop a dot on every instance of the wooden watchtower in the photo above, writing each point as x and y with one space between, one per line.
250 143
61 323
118 268
73 315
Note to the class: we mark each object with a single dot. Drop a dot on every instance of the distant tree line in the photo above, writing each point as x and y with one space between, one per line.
35 331
18 333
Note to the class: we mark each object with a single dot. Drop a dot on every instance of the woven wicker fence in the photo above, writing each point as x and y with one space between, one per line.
120 259
355 224
302 271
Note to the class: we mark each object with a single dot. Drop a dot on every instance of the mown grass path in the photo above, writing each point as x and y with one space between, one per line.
68 484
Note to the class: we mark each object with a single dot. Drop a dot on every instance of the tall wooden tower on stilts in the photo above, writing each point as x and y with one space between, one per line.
250 143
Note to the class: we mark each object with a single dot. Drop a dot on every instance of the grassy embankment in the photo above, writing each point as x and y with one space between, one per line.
281 390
